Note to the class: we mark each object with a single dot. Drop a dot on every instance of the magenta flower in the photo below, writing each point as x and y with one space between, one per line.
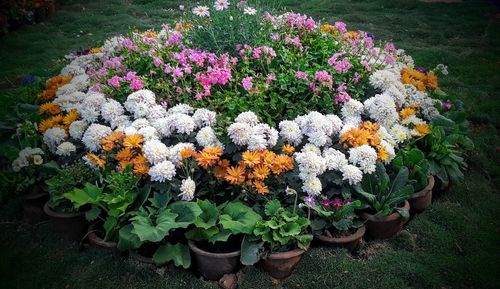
270 78
340 26
247 83
446 104
114 81
157 62
301 75
336 203
136 84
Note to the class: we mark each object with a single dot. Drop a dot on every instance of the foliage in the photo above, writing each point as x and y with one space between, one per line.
418 166
335 216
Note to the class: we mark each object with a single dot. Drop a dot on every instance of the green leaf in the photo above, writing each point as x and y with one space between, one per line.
177 253
146 230
222 236
160 200
272 207
92 214
187 212
127 240
250 252
404 213
90 194
200 234
109 227
239 218
208 217
290 229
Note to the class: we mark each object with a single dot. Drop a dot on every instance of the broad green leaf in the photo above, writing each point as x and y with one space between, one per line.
239 218
177 253
208 217
127 240
250 252
222 236
110 227
290 229
200 234
272 207
92 214
187 212
404 213
146 230
90 194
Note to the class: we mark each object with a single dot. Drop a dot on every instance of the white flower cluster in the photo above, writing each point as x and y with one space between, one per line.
318 128
65 149
247 131
382 109
364 157
53 137
188 187
311 164
388 80
161 172
26 157
93 135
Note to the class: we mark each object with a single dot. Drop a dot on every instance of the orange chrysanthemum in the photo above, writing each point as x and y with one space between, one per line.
372 127
250 159
422 129
95 50
70 117
350 35
288 149
383 155
100 162
260 187
54 121
356 137
124 154
281 164
186 153
235 175
141 169
407 112
50 108
215 151
261 172
133 141
328 29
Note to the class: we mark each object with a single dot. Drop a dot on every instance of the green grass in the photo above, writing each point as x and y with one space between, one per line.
454 244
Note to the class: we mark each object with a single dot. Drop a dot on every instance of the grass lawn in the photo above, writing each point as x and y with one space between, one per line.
454 244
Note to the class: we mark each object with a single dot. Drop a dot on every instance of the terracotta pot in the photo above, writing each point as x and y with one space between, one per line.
71 226
141 258
420 200
213 266
384 228
98 242
280 265
32 204
350 242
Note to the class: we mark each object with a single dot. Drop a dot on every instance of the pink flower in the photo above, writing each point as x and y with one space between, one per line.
114 81
157 62
293 41
270 78
324 78
366 65
178 73
388 60
301 75
342 95
247 83
343 66
336 203
96 88
334 58
136 84
340 26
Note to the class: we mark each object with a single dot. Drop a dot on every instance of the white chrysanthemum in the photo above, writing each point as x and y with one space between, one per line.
382 109
53 137
206 137
204 117
77 128
72 70
28 151
311 148
182 123
120 122
239 133
90 108
334 159
175 151
129 130
93 135
66 89
155 151
389 149
312 186
156 111
81 82
412 120
249 11
162 172
140 123
399 133
351 174
317 127
335 121
181 108
310 163
269 134
319 138
65 149
163 126
70 101
398 93
290 132
188 187
351 108
140 102
148 132
365 157
247 117
111 110
382 79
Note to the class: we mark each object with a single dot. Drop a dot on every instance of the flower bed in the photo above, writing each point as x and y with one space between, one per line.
238 129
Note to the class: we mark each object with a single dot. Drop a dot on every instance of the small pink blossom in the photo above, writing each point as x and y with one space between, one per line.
136 84
341 26
114 81
247 83
301 75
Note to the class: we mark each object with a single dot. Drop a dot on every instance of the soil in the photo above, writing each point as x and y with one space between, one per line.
232 244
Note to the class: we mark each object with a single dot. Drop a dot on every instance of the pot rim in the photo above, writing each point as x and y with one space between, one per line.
32 195
285 255
360 232
197 250
55 214
392 217
140 258
95 239
426 190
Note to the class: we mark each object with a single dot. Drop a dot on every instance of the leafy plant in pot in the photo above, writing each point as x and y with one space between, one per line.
149 234
336 223
386 201
216 238
419 174
110 205
65 219
280 240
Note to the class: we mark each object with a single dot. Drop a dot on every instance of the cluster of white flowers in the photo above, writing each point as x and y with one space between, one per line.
319 128
352 174
334 159
65 149
290 132
26 157
388 80
311 164
382 109
206 137
111 110
90 108
140 102
399 133
247 131
188 186
155 151
53 137
364 157
93 135
161 172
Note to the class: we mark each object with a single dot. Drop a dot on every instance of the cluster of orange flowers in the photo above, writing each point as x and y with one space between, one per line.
126 150
59 120
252 170
422 129
420 80
328 29
52 85
365 134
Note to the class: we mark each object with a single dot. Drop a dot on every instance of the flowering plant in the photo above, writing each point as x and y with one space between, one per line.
334 217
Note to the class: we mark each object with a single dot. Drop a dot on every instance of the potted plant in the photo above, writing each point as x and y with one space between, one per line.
280 239
386 201
336 223
110 205
216 237
419 173
65 219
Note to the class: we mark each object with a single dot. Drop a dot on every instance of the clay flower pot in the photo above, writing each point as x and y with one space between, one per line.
384 228
137 256
32 204
215 265
420 200
98 242
71 226
350 242
280 265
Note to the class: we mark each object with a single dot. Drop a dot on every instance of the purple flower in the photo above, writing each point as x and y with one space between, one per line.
341 26
310 201
421 69
136 84
370 36
157 62
114 81
247 83
446 104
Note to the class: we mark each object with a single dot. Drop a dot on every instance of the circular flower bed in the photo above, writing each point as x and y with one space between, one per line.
241 129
